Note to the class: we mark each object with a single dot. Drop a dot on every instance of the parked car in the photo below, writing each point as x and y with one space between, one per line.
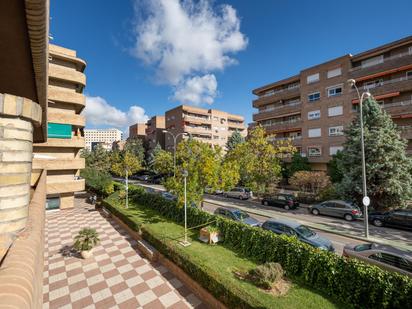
209 190
396 218
383 256
240 193
286 201
169 196
237 215
302 232
337 208
156 179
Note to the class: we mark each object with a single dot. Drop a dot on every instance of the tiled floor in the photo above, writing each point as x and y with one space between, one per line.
117 276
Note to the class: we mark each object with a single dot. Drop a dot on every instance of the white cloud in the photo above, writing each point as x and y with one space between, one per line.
100 113
185 40
197 90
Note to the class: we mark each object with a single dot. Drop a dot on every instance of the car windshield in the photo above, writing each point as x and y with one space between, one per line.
362 247
305 231
240 214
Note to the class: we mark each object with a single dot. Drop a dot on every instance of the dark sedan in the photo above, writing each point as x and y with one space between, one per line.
396 218
286 201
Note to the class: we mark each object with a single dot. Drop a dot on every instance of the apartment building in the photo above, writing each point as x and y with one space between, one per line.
60 154
154 132
138 130
105 137
314 107
207 125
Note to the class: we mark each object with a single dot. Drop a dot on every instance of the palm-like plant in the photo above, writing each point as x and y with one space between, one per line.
86 239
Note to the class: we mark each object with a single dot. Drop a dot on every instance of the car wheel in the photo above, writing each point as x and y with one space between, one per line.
377 222
315 212
265 203
286 207
240 197
348 217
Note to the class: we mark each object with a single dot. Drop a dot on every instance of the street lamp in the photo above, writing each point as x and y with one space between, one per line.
365 200
185 243
174 148
127 188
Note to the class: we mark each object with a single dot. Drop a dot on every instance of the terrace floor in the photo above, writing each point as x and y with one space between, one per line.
116 276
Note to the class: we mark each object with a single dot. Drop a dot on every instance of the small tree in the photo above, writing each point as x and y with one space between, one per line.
298 163
135 147
229 175
163 162
152 155
97 159
388 169
235 139
334 170
98 181
310 181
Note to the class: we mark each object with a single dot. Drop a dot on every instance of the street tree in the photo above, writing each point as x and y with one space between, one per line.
152 155
334 169
98 158
388 169
259 160
235 139
135 147
125 162
162 162
298 163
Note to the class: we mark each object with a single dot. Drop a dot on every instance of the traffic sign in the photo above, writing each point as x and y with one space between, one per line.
366 200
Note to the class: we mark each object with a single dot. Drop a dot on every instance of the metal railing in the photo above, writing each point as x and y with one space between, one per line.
397 104
291 138
273 92
397 56
275 123
386 82
271 109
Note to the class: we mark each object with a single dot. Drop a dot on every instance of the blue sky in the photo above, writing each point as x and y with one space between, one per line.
275 39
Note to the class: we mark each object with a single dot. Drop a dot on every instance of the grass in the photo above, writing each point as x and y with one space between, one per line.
220 261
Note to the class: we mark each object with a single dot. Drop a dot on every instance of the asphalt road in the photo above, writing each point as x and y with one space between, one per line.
339 231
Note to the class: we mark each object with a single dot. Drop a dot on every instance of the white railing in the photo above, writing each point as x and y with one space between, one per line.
383 83
275 123
273 108
396 104
397 56
273 92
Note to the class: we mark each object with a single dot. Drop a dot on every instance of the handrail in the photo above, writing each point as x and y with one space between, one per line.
271 109
270 93
386 82
397 56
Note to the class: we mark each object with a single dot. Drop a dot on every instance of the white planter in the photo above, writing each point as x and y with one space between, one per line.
86 254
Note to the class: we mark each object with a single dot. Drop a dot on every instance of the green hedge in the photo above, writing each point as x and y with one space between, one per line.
346 280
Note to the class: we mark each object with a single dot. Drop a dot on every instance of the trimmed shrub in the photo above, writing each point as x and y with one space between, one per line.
347 280
266 275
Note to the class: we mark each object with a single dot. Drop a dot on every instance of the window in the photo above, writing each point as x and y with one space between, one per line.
334 72
314 115
372 61
386 258
314 96
373 84
335 111
336 131
314 151
312 78
410 50
334 150
409 75
334 91
316 132
293 86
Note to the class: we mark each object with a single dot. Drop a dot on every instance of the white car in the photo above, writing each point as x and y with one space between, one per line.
239 192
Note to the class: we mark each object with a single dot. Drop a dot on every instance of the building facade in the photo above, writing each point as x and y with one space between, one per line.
60 154
207 125
105 137
138 130
314 107
154 132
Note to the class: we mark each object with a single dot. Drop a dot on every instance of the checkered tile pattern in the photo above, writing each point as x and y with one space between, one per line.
117 276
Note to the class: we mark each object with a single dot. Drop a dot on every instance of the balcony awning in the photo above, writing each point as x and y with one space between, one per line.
371 76
380 97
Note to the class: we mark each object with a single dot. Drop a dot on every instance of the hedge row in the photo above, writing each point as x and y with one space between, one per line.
346 280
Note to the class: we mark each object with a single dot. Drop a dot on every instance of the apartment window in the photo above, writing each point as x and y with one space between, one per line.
314 151
334 150
314 115
293 86
334 72
373 84
409 75
312 78
334 91
410 50
315 132
336 131
314 96
372 61
216 118
215 137
335 111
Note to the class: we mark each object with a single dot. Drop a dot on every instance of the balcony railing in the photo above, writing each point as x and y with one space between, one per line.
397 56
397 104
276 123
290 138
274 108
386 82
273 92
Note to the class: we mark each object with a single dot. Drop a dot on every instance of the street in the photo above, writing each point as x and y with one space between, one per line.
339 231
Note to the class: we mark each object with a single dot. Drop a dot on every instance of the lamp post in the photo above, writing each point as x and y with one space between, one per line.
127 189
185 243
365 200
174 147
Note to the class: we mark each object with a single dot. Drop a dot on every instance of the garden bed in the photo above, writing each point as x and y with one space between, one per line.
214 267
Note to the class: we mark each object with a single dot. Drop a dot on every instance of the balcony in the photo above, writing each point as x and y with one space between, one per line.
58 164
75 142
393 85
66 118
388 63
406 131
198 130
67 74
283 126
66 186
197 120
235 125
57 94
282 94
279 110
398 108
296 140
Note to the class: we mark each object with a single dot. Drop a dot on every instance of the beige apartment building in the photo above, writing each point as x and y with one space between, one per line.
104 137
154 132
138 130
207 125
60 154
314 107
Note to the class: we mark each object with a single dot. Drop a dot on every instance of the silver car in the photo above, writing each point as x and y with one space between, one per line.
337 208
240 193
383 256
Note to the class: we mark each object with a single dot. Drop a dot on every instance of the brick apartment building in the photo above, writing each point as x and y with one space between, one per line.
314 107
138 130
154 132
207 125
